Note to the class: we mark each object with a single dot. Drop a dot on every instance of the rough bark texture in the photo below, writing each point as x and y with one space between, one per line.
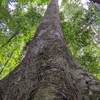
49 72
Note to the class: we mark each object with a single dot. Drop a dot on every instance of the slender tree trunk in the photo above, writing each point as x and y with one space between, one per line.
48 71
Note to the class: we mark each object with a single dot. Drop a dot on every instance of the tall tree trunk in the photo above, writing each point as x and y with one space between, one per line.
48 71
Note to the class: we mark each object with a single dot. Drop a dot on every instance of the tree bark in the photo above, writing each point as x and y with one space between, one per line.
48 71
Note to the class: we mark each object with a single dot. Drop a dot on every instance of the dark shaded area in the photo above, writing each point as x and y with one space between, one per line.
96 1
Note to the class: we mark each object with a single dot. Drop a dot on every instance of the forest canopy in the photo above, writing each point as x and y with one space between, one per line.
19 20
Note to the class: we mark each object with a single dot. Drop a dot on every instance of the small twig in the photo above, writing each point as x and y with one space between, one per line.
17 31
7 61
